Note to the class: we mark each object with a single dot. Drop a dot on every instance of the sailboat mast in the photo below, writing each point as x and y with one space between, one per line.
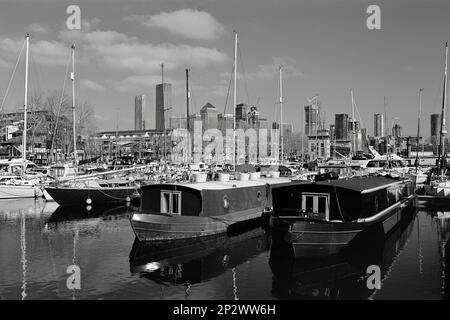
24 140
188 95
418 127
353 124
281 114
234 99
302 126
72 77
444 103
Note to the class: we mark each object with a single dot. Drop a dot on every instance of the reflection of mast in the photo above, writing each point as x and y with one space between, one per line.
233 270
443 237
419 246
75 240
23 250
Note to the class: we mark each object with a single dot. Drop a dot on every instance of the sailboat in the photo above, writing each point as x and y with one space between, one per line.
23 186
418 176
440 186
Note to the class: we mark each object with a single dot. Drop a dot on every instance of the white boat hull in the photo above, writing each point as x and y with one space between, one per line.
19 191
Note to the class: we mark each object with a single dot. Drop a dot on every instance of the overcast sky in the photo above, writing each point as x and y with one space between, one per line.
323 45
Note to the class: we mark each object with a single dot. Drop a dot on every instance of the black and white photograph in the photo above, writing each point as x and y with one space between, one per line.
221 157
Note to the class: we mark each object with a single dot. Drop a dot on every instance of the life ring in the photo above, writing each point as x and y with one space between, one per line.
80 185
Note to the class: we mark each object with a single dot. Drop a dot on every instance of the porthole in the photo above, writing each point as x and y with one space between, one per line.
258 196
226 202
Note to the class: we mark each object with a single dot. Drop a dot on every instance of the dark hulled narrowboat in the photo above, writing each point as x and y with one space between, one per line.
321 218
190 210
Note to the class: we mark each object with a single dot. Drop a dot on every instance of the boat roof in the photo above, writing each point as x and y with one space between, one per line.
232 184
362 184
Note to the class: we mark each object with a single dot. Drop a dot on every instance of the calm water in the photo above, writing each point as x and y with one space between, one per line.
38 241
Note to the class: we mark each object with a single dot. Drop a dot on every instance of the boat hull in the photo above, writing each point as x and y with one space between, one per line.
98 196
158 227
312 238
19 191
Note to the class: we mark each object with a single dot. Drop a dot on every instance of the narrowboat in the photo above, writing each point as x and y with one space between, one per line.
177 211
321 218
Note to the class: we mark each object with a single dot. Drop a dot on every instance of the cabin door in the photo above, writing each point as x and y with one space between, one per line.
317 205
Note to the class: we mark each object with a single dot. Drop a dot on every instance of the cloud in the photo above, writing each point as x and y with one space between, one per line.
92 85
117 51
192 24
47 53
38 28
139 83
5 64
87 25
267 71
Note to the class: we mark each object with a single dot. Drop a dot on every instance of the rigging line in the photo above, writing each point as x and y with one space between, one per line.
12 77
60 103
243 71
229 89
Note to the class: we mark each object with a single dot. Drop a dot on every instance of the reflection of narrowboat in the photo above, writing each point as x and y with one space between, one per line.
341 276
197 260
191 210
321 218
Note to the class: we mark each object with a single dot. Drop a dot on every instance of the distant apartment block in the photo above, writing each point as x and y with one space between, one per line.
163 101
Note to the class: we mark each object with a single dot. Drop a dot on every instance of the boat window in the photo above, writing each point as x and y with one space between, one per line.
226 202
176 203
171 202
372 164
316 205
309 203
258 196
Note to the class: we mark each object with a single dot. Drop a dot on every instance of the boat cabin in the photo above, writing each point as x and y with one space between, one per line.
341 199
212 198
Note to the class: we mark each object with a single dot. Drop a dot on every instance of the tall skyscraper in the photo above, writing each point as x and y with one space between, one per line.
397 130
341 126
378 125
139 112
332 131
163 101
209 116
312 119
435 125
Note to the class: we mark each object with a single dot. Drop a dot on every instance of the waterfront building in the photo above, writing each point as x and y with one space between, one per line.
319 146
163 101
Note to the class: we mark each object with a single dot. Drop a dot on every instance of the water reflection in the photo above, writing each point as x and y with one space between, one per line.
38 241
197 261
80 220
338 277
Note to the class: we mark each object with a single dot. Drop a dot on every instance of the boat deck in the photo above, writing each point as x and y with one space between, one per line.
232 184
